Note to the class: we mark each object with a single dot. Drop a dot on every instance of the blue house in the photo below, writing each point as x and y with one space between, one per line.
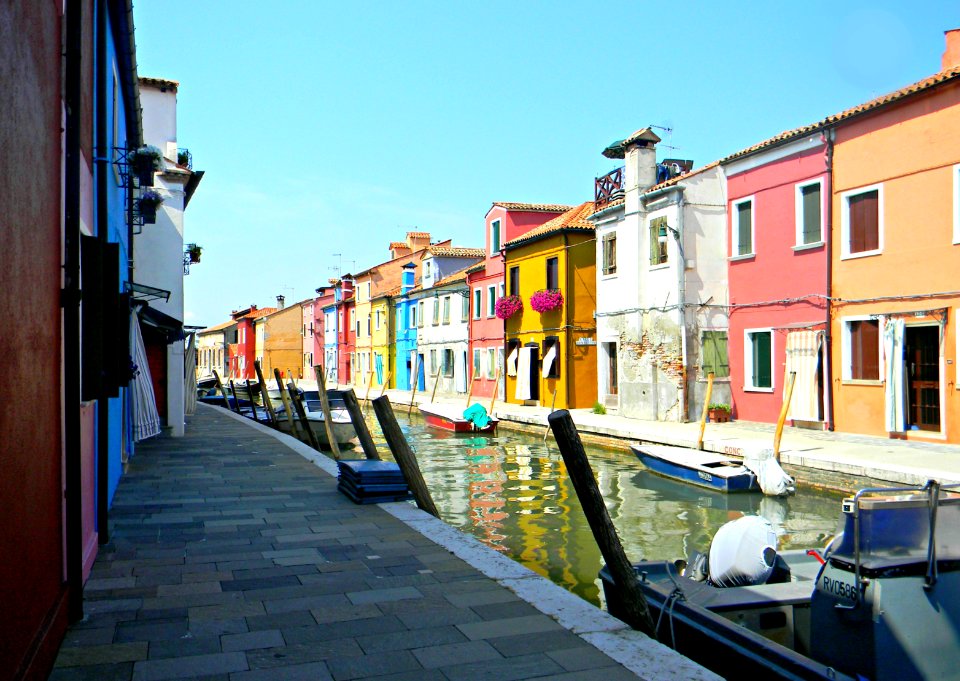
406 333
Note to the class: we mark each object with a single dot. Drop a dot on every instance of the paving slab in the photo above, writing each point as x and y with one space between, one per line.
232 556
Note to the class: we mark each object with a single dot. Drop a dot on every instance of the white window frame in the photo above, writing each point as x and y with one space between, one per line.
501 290
748 361
447 311
495 248
377 323
798 212
845 197
491 362
477 302
735 228
491 301
956 211
477 366
846 367
413 317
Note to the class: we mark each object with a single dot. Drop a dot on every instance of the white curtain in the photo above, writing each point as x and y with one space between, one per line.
803 357
894 394
146 419
460 371
512 362
523 374
190 376
548 360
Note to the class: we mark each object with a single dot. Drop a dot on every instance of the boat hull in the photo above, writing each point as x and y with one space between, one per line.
455 424
718 473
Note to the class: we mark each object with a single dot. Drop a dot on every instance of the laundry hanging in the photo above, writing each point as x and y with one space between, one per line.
512 362
548 360
146 419
523 374
803 358
894 395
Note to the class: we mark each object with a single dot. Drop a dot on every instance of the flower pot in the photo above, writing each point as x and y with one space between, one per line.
148 210
719 415
194 256
143 168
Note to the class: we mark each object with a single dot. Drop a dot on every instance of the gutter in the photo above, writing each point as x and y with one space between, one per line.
829 139
103 157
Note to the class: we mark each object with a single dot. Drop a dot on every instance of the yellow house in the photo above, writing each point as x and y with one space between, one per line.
363 323
383 347
279 342
553 350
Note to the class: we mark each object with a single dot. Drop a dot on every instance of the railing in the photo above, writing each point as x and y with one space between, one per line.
608 188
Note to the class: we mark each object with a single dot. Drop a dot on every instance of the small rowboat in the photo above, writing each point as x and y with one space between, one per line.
450 417
705 469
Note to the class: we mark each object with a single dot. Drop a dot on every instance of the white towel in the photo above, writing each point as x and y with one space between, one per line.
523 374
512 362
548 360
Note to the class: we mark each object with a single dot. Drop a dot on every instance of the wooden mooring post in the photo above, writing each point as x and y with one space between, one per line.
267 402
236 400
302 415
223 393
253 404
287 407
360 425
706 408
404 456
321 375
635 609
416 382
784 410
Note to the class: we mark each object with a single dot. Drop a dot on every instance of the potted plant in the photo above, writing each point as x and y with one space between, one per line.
546 300
508 306
194 251
147 160
148 203
719 412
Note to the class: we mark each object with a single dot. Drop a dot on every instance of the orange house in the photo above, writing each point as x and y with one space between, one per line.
895 290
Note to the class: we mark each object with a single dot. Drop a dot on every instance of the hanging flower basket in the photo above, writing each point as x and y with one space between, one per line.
148 206
194 252
546 300
508 306
146 161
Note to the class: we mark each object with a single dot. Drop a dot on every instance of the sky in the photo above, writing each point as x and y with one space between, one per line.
326 130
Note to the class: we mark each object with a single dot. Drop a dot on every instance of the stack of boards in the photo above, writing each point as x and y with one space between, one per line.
372 482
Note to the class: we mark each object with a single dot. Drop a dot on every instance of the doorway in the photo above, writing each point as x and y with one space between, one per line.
922 356
613 380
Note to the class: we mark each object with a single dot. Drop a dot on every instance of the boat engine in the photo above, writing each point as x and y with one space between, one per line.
743 552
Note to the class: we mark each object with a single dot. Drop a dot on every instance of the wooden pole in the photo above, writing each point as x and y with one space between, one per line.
416 382
267 402
553 403
383 388
223 393
287 407
325 406
636 612
703 413
791 378
302 415
236 400
360 425
496 389
436 383
366 397
404 456
253 404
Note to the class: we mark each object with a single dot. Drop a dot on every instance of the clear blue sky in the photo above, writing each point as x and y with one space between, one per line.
333 127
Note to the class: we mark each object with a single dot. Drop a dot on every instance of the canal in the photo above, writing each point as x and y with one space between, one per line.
512 493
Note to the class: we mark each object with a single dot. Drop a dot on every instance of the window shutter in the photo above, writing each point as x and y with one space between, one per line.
744 236
761 360
811 206
709 353
654 245
722 367
864 221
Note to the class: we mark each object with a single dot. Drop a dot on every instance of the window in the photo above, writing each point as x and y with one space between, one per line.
809 214
369 324
551 357
477 293
476 362
448 363
378 320
553 273
433 362
446 309
421 314
413 316
501 290
742 227
658 241
491 301
956 209
862 222
426 269
610 253
436 311
368 290
715 360
862 341
758 360
464 308
491 362
515 280
494 237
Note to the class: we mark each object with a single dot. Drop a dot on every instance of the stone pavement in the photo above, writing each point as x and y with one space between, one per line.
847 455
233 558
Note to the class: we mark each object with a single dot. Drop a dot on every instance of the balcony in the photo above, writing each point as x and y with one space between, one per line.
608 188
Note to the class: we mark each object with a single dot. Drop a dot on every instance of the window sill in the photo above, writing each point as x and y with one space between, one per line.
860 381
751 389
716 379
659 266
861 254
608 275
808 247
739 258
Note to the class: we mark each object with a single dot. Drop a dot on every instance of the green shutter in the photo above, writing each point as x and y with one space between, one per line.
761 359
715 354
744 231
811 207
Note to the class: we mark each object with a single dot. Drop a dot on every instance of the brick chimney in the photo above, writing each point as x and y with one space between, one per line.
398 249
951 54
640 166
418 240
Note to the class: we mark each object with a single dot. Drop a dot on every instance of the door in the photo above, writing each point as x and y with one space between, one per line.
922 354
612 379
534 371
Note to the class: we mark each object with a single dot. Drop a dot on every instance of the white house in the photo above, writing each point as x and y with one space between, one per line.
661 282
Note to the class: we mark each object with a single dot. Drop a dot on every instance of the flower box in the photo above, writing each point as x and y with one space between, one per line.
146 161
508 306
718 413
546 300
148 203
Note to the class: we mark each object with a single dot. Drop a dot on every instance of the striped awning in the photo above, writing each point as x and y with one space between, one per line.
190 375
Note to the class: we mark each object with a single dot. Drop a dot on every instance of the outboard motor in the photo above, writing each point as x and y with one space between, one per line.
743 553
887 601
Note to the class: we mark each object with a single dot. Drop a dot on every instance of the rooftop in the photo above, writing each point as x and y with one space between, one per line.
575 219
533 207
454 252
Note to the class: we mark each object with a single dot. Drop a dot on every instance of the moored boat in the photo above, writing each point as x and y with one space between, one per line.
343 431
705 469
450 417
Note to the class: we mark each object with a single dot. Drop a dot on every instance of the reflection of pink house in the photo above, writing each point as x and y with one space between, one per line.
776 202
504 221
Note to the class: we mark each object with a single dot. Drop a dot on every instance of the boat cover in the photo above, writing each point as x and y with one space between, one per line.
773 480
477 415
743 552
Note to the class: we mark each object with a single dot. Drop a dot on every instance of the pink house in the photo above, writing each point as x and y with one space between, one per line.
504 221
326 297
778 229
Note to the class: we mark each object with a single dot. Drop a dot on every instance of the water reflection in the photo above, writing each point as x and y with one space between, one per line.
511 491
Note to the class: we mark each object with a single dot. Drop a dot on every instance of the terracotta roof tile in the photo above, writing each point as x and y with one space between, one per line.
218 327
452 279
418 234
480 266
256 314
883 100
679 178
399 244
573 219
455 252
533 207
161 83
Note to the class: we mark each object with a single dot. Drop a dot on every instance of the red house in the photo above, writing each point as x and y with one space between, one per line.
778 226
503 222
243 353
346 331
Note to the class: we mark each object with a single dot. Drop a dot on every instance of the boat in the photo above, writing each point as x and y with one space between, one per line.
880 602
450 417
706 469
343 431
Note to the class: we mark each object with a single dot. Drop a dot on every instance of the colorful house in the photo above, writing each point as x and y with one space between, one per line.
346 331
279 341
404 352
503 222
308 332
777 193
325 330
895 256
553 351
212 344
243 351
381 340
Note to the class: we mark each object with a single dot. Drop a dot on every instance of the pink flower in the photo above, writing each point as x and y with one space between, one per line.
508 306
546 300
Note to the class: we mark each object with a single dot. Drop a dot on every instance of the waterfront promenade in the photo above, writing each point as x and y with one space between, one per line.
233 558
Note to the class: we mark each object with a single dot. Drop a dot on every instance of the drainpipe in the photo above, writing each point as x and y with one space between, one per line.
102 155
829 136
682 300
71 310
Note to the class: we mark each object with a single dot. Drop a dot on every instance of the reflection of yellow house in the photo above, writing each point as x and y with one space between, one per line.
554 350
384 350
280 341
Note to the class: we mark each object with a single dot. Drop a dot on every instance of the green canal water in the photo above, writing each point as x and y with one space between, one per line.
512 493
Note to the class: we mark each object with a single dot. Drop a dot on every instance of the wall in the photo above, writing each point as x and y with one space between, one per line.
282 340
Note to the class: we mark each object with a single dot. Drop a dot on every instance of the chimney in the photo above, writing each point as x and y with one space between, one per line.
346 288
951 53
407 278
280 300
398 249
418 240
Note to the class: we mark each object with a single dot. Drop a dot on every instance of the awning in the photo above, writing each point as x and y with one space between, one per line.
144 292
146 420
170 327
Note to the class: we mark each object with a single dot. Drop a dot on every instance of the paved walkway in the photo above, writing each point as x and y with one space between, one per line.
234 558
